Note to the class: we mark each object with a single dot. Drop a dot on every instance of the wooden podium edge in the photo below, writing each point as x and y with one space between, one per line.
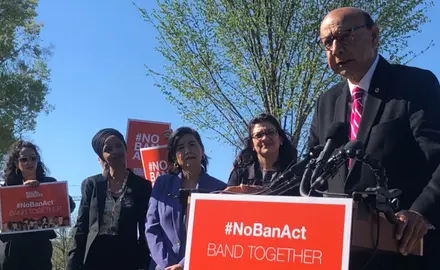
364 232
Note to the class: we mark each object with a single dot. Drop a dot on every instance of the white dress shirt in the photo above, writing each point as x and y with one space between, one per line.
364 83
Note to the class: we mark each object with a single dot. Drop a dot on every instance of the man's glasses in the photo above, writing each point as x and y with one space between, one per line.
25 160
268 133
344 37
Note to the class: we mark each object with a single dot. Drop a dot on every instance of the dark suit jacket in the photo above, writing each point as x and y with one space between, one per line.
400 127
90 214
249 175
252 175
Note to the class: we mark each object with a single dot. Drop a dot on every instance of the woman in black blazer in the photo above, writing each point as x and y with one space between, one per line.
267 153
112 210
27 250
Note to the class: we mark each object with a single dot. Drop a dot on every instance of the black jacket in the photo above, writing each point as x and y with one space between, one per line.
252 175
90 213
400 127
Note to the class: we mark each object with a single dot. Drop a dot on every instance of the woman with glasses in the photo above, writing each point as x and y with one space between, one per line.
30 250
112 211
267 153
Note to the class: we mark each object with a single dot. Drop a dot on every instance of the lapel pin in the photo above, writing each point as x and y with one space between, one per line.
129 190
376 90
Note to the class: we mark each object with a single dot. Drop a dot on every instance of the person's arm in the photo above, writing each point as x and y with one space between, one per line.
81 228
154 232
144 253
425 124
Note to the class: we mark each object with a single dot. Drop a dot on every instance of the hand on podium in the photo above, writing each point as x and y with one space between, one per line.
244 189
410 230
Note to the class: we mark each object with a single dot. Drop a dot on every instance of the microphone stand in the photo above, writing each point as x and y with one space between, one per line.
375 205
379 197
291 177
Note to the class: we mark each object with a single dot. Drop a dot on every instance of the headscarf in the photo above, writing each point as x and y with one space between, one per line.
99 139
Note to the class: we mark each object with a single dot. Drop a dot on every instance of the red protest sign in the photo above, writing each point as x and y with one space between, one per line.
143 134
268 232
25 208
154 161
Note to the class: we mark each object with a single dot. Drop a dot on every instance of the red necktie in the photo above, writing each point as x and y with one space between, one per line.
356 113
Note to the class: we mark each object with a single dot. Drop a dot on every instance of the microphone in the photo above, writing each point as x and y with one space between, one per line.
336 136
297 169
353 149
315 151
185 192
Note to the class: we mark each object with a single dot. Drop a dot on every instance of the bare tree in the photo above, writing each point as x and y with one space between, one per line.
61 247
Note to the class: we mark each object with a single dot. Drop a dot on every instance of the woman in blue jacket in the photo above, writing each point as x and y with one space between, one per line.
165 222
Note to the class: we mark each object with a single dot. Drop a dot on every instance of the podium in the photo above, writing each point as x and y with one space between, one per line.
364 232
364 225
245 231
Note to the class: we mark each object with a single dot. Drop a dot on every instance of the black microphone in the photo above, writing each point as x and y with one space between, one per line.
336 136
184 193
296 169
353 149
315 151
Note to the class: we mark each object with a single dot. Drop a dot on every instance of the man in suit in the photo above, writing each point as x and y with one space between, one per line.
394 110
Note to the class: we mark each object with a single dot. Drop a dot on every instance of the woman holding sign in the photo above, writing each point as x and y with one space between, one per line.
112 210
267 153
30 250
165 223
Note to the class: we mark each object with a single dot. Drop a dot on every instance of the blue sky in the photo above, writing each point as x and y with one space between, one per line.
98 80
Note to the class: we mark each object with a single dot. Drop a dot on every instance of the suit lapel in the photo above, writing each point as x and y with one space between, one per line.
340 115
101 189
96 210
373 108
177 209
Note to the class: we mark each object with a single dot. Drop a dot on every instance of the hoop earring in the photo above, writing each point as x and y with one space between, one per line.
17 171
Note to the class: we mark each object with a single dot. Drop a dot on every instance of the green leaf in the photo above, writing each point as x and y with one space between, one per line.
230 60
24 74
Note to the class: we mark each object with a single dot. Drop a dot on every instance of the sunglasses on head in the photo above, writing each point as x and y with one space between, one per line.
25 160
261 134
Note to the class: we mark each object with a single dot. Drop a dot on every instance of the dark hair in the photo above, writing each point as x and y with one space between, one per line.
287 153
172 148
368 20
12 174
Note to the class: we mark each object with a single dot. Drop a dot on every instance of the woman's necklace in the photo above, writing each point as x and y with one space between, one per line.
121 184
